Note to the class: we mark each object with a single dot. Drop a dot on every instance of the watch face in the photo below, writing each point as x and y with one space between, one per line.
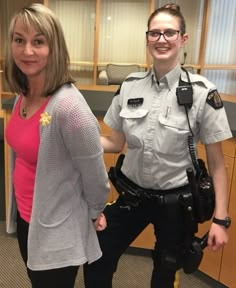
228 222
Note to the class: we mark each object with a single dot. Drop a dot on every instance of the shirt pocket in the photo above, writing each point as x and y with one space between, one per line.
172 135
134 120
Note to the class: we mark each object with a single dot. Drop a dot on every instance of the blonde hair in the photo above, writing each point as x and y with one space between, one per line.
57 71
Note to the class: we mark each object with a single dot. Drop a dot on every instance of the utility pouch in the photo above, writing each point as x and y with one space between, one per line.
206 194
203 193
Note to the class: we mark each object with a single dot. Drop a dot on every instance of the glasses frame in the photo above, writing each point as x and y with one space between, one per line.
162 34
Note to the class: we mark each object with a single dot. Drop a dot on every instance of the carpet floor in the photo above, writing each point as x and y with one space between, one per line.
134 271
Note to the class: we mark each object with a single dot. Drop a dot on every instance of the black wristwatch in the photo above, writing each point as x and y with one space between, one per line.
223 222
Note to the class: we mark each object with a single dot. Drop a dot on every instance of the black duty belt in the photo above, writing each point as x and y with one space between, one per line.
151 193
133 194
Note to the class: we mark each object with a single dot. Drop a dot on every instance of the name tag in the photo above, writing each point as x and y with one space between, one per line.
135 102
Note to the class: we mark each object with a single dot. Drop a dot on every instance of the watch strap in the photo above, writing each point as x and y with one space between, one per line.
223 222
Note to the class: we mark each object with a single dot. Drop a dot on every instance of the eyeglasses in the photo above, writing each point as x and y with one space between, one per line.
169 35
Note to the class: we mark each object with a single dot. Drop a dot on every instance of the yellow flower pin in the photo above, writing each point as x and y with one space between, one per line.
45 119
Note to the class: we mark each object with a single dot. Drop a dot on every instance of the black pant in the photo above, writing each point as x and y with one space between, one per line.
124 224
54 278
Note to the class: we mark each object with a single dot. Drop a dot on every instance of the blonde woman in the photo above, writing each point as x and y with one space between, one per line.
59 181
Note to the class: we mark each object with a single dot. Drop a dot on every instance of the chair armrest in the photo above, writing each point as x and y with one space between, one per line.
102 78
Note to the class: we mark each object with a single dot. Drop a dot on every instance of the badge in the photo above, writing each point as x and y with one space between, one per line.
214 100
134 102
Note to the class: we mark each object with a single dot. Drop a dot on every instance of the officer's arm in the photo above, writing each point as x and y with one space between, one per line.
216 165
113 143
218 235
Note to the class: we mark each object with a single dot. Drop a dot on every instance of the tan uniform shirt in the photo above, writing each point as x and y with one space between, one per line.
156 127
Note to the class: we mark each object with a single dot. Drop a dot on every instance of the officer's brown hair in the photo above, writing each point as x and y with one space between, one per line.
171 9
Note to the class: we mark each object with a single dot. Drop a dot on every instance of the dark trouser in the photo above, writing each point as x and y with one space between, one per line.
54 278
124 224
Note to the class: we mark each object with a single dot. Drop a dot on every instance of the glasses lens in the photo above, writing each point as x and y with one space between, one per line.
153 35
171 35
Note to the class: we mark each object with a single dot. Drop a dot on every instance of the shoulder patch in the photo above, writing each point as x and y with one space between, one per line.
214 100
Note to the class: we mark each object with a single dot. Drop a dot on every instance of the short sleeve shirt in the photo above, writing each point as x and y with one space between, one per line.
156 126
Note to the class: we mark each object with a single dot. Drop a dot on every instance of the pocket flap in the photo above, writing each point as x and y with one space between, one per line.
175 122
133 113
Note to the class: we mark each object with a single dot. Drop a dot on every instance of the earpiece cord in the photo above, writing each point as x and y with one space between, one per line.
191 145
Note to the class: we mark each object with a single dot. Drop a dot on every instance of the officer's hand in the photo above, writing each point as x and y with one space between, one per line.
100 223
218 237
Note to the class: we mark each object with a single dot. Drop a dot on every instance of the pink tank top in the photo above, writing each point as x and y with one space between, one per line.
23 137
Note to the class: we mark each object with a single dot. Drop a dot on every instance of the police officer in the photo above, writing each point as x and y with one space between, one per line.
146 115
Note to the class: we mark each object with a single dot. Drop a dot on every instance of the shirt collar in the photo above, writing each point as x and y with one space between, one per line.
170 78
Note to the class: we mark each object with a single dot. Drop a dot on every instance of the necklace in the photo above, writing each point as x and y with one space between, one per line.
24 112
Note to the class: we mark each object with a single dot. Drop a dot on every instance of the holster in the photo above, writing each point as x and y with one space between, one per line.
123 185
192 257
198 207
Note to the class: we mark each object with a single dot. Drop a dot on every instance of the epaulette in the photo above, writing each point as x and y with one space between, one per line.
117 91
137 76
132 77
196 78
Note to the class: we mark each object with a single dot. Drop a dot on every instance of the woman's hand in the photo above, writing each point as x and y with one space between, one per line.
218 237
100 223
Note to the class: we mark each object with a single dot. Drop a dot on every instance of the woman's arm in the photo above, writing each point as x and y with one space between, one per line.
113 143
81 135
218 235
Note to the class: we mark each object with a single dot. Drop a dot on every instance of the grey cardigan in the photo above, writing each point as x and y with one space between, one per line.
71 186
